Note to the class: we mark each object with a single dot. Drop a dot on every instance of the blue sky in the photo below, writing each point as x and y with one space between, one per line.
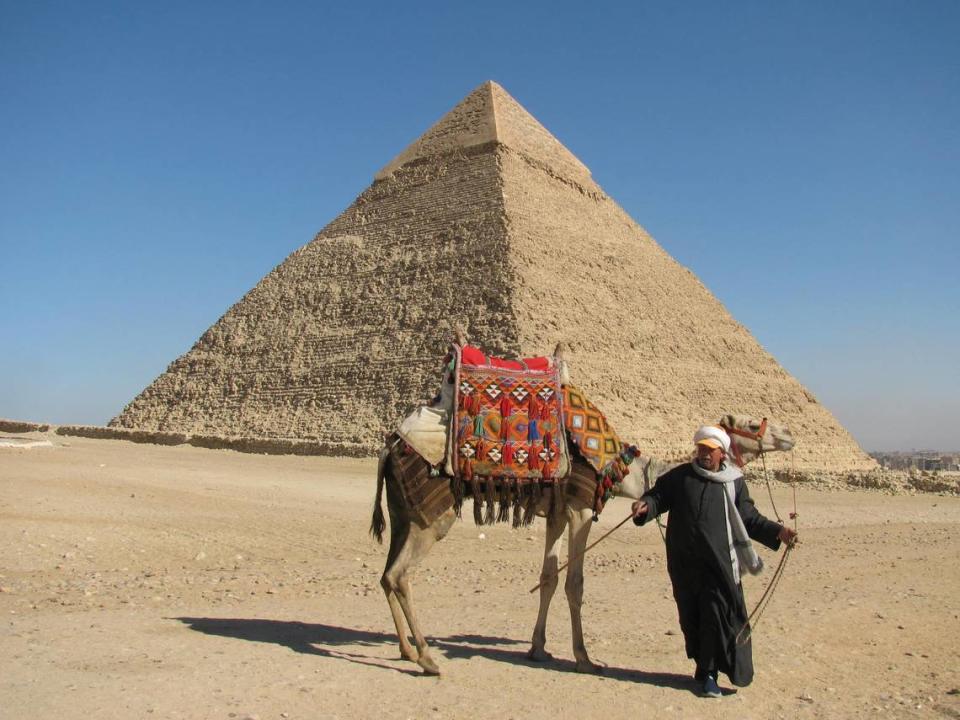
802 158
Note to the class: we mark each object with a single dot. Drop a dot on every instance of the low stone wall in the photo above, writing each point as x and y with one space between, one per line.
265 446
138 436
271 446
15 426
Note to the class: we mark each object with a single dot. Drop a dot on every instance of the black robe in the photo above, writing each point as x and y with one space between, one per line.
710 602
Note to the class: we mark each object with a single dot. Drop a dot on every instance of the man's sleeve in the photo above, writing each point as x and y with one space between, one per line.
657 498
758 527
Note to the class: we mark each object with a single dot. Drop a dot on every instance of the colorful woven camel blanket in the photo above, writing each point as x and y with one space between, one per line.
508 438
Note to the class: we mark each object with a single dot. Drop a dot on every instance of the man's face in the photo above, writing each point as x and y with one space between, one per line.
709 458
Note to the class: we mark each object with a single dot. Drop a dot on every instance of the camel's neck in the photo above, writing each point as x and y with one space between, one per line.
644 472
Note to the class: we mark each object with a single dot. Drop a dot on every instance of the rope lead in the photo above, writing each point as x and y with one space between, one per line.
754 618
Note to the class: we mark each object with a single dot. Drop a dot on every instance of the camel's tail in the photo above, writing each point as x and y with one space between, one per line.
377 522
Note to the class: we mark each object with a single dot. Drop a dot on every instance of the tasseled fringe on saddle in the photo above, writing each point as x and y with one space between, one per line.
477 500
490 514
533 499
506 499
519 494
456 487
504 514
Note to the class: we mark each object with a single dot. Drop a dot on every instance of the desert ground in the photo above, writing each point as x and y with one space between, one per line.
141 581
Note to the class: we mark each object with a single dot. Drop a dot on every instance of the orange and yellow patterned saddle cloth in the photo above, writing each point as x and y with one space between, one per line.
597 443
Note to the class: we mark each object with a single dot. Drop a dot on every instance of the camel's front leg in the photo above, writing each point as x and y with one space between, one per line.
580 522
556 522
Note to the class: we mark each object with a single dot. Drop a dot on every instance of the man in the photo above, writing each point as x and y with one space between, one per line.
711 517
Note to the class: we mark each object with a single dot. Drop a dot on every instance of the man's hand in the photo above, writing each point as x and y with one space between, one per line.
639 508
788 536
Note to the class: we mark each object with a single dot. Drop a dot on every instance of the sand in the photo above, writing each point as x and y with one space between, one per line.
178 582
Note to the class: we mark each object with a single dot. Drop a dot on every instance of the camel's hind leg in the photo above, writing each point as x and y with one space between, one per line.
399 530
407 546
556 522
398 536
580 523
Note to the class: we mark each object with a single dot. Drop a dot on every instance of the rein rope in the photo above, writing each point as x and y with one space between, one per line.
753 619
571 558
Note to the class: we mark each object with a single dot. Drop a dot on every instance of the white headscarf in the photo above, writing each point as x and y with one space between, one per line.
712 436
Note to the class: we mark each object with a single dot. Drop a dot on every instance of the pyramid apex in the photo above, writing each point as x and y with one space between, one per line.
490 114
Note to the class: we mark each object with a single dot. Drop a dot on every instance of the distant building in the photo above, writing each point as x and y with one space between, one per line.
924 460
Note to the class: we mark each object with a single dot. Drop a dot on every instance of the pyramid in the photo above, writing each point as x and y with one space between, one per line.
486 221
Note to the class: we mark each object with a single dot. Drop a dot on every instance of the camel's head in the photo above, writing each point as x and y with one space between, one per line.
753 437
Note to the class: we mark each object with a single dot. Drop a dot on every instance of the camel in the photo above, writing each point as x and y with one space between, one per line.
410 541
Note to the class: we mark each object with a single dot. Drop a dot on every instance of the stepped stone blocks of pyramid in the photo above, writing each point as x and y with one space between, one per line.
489 222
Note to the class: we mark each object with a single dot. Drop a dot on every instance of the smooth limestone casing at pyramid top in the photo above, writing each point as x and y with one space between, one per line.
486 221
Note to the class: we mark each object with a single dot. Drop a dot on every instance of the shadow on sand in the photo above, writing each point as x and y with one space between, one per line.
327 641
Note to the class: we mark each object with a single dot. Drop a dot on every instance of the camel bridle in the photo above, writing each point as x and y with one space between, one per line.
750 435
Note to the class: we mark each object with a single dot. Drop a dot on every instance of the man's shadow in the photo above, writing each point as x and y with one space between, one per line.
326 641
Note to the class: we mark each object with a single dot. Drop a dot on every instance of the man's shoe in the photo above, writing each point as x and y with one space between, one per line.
710 687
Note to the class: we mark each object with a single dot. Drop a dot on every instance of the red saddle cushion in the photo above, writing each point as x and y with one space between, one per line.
474 356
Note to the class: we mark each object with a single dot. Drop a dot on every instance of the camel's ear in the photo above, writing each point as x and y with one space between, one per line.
460 334
560 352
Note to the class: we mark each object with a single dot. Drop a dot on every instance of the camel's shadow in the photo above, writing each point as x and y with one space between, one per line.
325 640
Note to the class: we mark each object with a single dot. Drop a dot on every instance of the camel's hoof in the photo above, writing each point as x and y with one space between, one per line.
428 665
590 668
539 655
410 655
